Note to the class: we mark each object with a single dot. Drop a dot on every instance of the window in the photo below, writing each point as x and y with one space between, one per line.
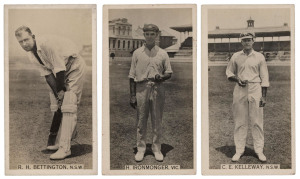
128 30
114 30
133 44
137 44
119 30
128 44
114 43
118 43
123 44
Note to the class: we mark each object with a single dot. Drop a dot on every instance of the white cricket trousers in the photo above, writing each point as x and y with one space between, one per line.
246 110
150 99
75 77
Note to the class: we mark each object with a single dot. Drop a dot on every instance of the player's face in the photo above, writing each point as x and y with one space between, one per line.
150 37
26 40
247 43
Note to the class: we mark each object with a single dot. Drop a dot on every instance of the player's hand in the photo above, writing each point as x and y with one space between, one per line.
158 78
60 98
262 102
133 102
242 83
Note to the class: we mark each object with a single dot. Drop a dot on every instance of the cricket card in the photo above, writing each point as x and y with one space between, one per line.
50 90
248 82
149 89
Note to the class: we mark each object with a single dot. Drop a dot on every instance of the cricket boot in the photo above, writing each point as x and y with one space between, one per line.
158 156
261 157
139 156
236 157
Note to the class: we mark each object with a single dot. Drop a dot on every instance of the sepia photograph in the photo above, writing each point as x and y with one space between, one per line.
149 89
50 90
248 89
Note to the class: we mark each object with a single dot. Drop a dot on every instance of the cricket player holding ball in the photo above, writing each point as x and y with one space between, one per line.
150 67
249 70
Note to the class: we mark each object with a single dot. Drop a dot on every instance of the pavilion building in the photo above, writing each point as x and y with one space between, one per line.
123 40
273 42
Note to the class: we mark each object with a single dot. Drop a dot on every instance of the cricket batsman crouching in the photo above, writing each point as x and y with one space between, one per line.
59 61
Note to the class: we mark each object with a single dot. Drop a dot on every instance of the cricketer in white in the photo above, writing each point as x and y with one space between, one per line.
59 61
150 67
249 70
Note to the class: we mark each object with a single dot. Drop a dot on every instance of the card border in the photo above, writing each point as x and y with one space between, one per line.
105 93
94 170
204 95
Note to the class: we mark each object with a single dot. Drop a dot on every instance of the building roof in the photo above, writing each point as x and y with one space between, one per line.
183 28
137 34
165 33
140 31
259 32
173 48
119 21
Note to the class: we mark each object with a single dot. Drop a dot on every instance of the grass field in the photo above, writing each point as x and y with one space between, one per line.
177 119
277 120
30 120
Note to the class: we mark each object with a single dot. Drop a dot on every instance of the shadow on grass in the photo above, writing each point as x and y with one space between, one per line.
165 148
229 151
77 150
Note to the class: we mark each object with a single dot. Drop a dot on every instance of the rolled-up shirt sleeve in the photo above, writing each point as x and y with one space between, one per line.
264 74
231 68
132 72
167 65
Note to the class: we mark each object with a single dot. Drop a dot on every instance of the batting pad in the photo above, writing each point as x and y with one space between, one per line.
70 102
67 127
53 102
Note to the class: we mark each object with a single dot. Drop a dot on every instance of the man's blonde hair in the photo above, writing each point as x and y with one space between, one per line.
22 28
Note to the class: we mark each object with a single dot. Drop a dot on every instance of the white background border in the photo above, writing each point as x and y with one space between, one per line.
99 76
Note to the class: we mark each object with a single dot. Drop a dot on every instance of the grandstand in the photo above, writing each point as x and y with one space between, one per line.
185 48
273 42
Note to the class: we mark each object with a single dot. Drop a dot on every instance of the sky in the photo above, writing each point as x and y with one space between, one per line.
75 24
237 18
163 17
